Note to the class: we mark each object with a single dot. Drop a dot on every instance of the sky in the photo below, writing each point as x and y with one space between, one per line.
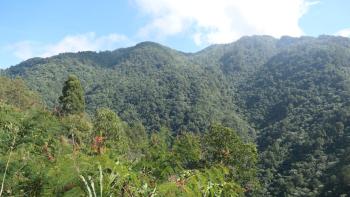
42 28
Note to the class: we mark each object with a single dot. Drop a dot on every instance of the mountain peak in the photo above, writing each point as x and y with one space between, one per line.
148 43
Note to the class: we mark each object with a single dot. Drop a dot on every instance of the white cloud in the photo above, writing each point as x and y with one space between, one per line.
22 50
222 21
71 43
343 32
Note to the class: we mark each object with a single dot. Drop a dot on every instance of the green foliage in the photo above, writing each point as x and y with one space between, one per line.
15 92
72 100
138 139
205 182
187 149
289 95
147 83
213 182
345 175
77 127
53 157
109 126
298 101
223 146
159 161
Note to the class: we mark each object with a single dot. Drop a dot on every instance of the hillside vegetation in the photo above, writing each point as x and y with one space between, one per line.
289 96
68 153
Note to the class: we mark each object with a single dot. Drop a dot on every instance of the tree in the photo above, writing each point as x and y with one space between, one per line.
110 130
15 92
187 149
345 175
72 100
223 146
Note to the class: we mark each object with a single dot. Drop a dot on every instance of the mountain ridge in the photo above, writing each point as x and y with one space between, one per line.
289 95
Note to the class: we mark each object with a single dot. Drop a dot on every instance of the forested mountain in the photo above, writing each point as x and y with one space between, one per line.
148 82
290 96
69 153
299 101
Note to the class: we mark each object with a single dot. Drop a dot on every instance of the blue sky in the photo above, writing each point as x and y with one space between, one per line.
44 28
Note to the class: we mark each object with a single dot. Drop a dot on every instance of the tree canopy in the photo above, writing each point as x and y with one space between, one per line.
287 97
44 154
72 100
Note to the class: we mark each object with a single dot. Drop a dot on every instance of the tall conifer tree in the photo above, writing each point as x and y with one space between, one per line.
72 100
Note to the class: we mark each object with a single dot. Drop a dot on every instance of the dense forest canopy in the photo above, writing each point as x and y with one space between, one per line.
289 96
68 153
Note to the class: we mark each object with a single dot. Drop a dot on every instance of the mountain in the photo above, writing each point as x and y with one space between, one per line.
299 101
148 82
289 95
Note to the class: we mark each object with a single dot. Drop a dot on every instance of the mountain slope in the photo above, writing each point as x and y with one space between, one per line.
299 100
148 82
293 91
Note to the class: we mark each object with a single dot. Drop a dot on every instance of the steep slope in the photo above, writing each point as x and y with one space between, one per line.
299 101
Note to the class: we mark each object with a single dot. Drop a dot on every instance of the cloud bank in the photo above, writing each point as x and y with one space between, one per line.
71 43
222 21
343 32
